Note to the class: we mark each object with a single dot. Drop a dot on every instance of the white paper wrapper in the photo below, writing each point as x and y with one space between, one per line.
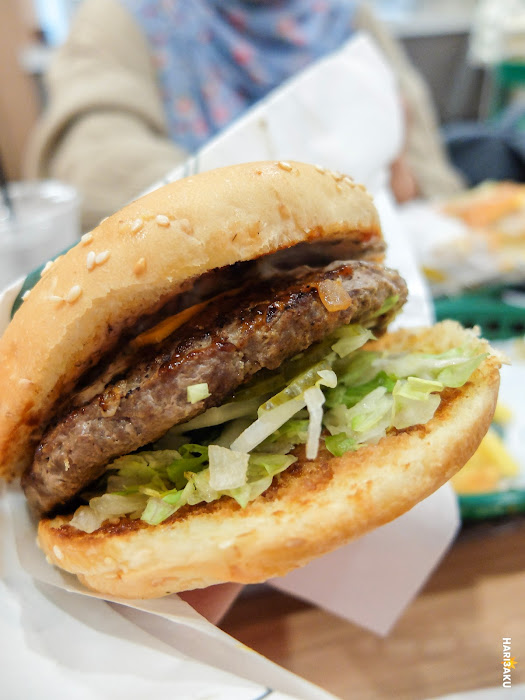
58 641
342 113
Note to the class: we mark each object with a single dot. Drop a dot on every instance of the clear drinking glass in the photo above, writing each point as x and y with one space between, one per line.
44 220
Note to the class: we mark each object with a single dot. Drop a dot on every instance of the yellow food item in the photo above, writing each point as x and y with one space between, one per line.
487 203
502 414
489 464
169 325
434 275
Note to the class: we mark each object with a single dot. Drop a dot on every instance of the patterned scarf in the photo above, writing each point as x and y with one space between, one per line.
215 58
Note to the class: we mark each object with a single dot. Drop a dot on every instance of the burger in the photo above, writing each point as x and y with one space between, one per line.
203 390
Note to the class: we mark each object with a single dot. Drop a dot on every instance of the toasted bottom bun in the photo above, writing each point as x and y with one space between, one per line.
312 508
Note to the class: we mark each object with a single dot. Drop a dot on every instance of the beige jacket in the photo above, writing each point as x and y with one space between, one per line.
104 128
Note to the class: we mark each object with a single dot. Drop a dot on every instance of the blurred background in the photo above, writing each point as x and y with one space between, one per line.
436 34
457 45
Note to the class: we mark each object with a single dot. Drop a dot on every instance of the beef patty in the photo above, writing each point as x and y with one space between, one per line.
224 345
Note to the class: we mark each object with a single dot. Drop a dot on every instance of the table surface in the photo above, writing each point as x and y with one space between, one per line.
449 640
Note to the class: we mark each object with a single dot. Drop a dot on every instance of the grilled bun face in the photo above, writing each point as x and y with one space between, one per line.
311 508
143 256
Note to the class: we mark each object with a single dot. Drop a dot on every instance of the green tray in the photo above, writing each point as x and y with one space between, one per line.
30 281
486 307
492 505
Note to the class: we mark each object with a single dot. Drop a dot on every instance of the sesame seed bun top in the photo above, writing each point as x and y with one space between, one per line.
142 256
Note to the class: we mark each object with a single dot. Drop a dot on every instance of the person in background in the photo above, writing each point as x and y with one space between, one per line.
141 84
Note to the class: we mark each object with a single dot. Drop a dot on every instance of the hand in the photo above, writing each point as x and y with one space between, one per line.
402 181
212 602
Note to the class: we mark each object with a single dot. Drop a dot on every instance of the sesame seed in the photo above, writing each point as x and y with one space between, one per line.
46 267
67 464
136 225
86 238
90 260
338 187
162 220
101 258
320 169
57 552
55 298
73 294
349 180
25 295
140 266
102 220
337 175
185 227
284 165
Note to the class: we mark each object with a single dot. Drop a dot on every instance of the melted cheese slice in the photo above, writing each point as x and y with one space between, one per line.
167 326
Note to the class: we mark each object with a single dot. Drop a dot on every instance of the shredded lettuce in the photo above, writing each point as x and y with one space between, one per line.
154 485
275 412
270 421
388 304
314 399
218 415
335 393
339 444
350 394
412 410
367 421
319 372
350 338
228 469
451 368
284 439
261 470
197 392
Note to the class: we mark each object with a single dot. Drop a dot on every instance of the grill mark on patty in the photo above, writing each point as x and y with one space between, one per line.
224 345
